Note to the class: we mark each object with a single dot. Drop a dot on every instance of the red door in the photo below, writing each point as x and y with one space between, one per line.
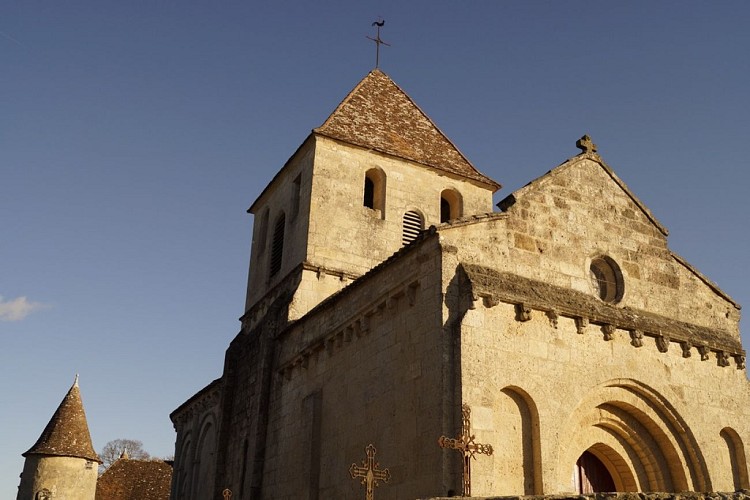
592 476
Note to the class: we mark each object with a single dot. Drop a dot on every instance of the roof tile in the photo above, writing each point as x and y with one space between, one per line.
378 115
67 433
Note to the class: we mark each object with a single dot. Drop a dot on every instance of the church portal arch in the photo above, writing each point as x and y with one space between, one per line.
652 447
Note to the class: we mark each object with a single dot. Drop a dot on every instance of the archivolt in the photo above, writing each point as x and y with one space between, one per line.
657 450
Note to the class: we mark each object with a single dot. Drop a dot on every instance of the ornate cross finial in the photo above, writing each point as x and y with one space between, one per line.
586 145
227 493
379 23
369 472
465 444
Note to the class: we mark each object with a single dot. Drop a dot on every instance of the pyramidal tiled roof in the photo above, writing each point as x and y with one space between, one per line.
135 480
378 115
67 433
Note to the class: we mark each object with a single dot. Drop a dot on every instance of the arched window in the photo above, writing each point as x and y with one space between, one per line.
205 461
413 224
451 205
374 190
606 279
737 459
277 246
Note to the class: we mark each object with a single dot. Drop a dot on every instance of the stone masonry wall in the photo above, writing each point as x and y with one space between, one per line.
544 387
365 371
348 236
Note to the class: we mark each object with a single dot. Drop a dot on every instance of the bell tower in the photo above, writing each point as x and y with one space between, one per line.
361 186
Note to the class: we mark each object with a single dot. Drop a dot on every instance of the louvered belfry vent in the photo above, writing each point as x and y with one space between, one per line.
277 247
412 226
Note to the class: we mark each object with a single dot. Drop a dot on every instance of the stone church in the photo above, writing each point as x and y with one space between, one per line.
395 320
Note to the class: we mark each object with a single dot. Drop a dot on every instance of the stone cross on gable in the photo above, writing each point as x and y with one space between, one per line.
586 145
466 445
369 472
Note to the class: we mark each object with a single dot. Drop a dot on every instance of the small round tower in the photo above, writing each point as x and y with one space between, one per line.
62 465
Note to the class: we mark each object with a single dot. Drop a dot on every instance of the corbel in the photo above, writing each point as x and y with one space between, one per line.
609 331
636 338
740 360
662 343
581 325
490 301
553 318
686 349
722 358
411 292
704 351
523 313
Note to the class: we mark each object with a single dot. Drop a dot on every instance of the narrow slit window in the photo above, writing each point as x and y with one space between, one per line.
277 247
413 224
297 188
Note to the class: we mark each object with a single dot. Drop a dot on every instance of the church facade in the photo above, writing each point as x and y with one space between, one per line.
389 305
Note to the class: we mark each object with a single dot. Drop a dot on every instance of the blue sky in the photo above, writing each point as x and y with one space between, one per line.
134 135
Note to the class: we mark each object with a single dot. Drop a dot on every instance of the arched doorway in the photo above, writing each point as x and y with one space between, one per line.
591 475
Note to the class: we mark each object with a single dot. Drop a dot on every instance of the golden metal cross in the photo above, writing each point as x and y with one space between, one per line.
369 472
466 445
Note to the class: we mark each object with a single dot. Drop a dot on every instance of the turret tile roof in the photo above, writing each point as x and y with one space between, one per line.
67 433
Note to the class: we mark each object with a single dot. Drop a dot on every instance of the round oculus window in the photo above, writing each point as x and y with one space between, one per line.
606 279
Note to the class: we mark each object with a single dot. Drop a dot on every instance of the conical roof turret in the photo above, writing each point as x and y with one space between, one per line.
67 433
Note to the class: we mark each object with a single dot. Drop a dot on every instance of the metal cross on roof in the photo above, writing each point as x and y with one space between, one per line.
466 445
379 23
369 472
